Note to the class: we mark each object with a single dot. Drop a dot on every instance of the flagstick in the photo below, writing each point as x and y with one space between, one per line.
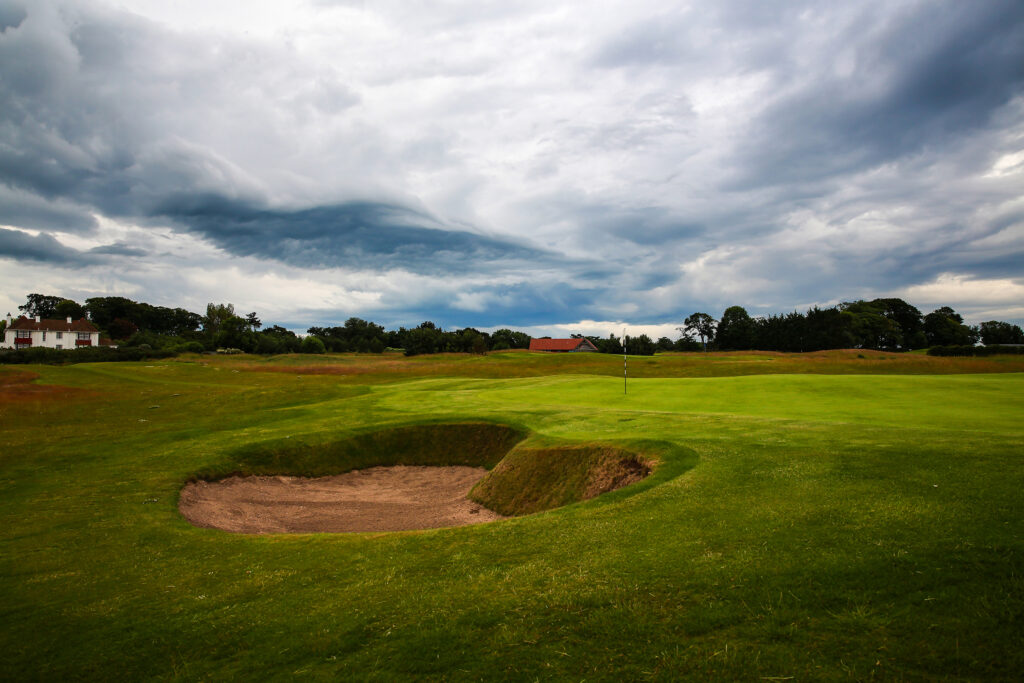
625 373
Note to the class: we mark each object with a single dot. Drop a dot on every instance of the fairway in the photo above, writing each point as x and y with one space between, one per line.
817 516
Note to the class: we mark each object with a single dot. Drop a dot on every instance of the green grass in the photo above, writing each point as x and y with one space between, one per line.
815 517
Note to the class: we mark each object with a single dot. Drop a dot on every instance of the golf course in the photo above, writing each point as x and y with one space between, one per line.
734 516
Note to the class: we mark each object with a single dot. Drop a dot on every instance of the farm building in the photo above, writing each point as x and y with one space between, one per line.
25 333
580 345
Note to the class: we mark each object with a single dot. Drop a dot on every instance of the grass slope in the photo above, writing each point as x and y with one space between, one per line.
802 524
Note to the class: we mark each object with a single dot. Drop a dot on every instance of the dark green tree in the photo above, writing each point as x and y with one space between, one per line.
702 325
945 327
119 328
216 316
996 332
69 309
426 338
735 330
234 333
43 305
312 344
509 339
665 344
641 345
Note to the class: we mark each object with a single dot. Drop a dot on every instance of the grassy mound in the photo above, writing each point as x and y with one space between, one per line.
475 444
530 480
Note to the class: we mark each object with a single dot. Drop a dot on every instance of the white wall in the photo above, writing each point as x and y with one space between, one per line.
65 340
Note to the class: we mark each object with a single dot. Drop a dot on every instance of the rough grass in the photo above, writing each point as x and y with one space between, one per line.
476 444
816 523
531 480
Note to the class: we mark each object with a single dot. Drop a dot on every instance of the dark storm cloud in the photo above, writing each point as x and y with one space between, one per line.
30 211
929 79
118 250
42 248
62 142
353 234
11 15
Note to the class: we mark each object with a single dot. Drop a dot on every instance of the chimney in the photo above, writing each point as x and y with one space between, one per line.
9 320
69 320
37 318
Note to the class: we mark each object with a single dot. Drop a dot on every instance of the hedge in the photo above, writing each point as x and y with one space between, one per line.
975 350
93 354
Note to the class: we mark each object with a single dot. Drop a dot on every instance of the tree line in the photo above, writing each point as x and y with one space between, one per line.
889 323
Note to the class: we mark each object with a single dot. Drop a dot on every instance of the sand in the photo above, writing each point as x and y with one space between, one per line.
375 499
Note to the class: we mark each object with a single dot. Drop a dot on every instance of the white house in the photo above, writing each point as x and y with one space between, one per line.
26 333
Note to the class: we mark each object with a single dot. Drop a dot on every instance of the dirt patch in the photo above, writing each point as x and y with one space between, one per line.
396 498
19 386
615 475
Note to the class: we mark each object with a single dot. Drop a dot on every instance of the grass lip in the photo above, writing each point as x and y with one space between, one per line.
549 475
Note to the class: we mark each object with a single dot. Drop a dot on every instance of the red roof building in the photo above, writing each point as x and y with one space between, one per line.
577 345
26 333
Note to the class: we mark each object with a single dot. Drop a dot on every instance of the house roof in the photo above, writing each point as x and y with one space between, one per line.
80 325
559 344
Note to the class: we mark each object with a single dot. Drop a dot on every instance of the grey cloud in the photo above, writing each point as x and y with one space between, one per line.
118 249
22 246
26 210
11 15
352 234
660 40
935 75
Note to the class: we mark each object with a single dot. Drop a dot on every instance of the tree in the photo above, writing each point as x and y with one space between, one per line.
909 320
119 328
702 325
426 338
640 346
277 339
253 322
313 344
216 316
665 344
69 309
736 329
944 327
509 339
996 332
41 304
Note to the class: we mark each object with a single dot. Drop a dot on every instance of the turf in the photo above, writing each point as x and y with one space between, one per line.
813 516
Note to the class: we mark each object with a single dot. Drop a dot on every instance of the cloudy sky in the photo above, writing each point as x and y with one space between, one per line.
551 166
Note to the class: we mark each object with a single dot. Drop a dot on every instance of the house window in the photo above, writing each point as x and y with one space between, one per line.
23 334
83 335
59 347
60 335
44 335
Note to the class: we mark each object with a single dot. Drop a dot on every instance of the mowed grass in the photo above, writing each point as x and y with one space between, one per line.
827 516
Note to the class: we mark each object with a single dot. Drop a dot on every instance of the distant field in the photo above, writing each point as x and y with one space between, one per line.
843 514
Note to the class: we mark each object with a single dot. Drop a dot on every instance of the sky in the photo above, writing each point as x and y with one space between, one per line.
554 167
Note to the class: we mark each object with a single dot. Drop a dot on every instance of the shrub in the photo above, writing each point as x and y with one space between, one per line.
312 344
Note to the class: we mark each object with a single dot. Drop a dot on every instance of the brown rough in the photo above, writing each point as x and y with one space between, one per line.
375 499
614 475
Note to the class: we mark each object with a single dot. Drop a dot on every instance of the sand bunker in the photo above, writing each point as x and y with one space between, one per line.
375 499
